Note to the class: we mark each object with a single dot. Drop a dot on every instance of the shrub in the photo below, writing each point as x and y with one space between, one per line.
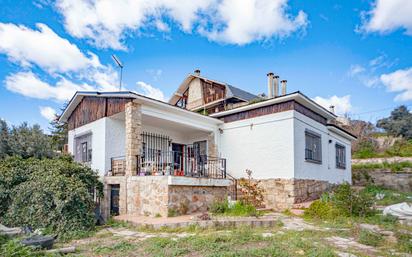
371 238
219 207
15 248
321 210
57 194
171 212
351 203
252 192
240 208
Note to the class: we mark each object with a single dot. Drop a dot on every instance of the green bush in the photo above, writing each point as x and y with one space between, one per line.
56 194
320 210
368 237
16 249
219 207
237 209
366 149
352 203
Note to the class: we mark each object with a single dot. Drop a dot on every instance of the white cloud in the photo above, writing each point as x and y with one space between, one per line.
150 91
44 48
48 113
56 56
355 70
399 81
342 104
363 75
28 84
107 23
387 16
243 22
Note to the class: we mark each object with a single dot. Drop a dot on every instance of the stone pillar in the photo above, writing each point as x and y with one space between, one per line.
211 145
133 119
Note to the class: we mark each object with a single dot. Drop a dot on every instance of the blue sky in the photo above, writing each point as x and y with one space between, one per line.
355 55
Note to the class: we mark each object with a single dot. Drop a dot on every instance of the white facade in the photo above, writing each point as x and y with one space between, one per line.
263 145
97 129
273 146
327 169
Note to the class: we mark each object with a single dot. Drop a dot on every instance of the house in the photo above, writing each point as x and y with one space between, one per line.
179 157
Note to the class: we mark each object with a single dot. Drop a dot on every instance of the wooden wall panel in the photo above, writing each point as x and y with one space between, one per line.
213 91
275 108
116 105
92 108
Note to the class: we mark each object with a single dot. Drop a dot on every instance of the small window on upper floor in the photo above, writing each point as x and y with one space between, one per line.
313 147
340 156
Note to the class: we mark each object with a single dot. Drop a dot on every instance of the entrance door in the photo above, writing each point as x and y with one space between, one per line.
178 168
114 199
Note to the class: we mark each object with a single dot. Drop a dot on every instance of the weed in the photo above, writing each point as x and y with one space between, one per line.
404 242
368 237
122 247
171 212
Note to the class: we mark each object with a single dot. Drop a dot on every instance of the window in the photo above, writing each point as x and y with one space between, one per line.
83 146
340 156
84 152
313 150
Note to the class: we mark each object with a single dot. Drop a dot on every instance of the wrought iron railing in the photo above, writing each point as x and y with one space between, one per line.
157 163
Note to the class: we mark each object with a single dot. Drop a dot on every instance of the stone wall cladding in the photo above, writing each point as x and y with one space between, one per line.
152 195
211 148
281 194
133 120
148 195
401 181
193 199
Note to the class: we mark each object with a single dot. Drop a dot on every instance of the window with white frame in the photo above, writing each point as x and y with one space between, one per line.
313 147
340 156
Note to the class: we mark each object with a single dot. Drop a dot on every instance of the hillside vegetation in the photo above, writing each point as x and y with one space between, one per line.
389 137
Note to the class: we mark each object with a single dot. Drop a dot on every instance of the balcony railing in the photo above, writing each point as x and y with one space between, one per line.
158 163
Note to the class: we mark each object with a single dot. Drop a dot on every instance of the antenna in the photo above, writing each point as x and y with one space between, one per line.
120 65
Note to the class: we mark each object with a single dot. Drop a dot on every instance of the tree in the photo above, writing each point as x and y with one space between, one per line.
59 134
399 123
4 137
57 194
26 141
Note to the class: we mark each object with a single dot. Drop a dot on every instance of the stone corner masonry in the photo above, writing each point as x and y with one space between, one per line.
281 194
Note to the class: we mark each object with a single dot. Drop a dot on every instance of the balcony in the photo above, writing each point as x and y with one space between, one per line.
161 163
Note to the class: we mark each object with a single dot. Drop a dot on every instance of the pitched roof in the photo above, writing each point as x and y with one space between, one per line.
239 93
232 91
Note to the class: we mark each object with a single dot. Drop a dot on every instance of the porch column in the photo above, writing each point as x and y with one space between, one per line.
133 121
211 145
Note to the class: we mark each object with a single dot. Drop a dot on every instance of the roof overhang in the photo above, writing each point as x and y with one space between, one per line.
144 100
340 131
296 96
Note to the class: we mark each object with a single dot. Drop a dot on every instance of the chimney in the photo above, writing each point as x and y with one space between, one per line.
270 85
197 72
332 109
283 82
276 85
